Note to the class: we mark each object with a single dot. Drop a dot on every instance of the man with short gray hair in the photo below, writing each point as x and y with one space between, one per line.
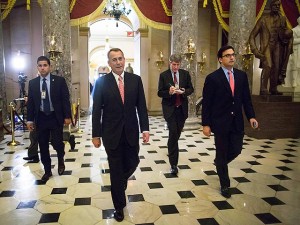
174 86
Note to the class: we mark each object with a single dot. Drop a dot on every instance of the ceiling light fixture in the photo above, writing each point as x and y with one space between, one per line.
115 9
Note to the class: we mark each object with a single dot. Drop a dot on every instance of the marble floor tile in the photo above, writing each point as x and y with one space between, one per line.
265 184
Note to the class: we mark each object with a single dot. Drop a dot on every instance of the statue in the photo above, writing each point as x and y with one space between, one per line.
274 50
293 75
129 69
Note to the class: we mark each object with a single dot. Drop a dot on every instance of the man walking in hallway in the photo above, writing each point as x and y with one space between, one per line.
119 115
48 109
225 94
174 87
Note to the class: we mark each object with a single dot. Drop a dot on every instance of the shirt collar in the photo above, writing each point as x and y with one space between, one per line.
116 75
226 70
47 77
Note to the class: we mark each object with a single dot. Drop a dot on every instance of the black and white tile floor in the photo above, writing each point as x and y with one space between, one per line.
265 182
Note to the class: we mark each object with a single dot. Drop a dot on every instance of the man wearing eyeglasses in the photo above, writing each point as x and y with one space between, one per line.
225 94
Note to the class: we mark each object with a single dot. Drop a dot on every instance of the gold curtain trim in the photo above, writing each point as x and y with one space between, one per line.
219 17
72 4
298 5
8 8
149 22
167 10
90 17
204 3
289 25
224 14
261 11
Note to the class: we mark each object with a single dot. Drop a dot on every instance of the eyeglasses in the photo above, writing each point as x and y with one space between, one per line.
229 55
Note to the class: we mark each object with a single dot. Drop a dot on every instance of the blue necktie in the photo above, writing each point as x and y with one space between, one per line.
46 102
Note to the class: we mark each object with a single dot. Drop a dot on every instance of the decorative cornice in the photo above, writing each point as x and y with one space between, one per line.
84 31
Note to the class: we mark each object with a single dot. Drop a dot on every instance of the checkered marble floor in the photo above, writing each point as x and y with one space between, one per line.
265 182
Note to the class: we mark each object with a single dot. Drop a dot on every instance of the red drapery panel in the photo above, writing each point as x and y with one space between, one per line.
291 11
84 7
153 10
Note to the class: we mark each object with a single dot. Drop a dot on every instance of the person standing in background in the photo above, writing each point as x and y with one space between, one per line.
174 87
48 109
225 94
119 115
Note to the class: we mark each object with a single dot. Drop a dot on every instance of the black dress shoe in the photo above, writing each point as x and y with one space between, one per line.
225 192
119 215
32 159
46 177
174 170
61 167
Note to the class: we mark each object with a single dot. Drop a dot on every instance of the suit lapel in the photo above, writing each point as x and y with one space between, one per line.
170 78
52 86
114 86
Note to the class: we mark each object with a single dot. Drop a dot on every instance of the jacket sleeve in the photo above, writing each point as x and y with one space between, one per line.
97 109
208 95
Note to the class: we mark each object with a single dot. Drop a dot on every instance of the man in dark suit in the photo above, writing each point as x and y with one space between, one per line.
119 115
225 94
173 87
48 109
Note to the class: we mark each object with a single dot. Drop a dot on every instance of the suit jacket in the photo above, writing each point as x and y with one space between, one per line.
110 116
222 111
168 101
60 98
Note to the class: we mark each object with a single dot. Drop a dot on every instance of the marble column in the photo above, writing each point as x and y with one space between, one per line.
241 22
185 27
3 102
57 35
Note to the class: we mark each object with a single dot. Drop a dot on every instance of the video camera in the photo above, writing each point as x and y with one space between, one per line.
22 78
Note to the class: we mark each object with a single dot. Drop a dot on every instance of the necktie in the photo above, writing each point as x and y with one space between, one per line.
178 99
121 87
231 82
46 101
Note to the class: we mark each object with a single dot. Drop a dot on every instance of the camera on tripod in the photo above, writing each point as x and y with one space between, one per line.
22 78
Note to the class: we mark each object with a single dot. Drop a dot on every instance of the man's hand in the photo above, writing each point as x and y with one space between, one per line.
30 126
96 142
206 131
67 121
253 123
146 137
172 90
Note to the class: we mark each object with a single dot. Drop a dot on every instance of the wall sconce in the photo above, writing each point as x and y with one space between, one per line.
160 62
54 48
191 50
247 57
202 62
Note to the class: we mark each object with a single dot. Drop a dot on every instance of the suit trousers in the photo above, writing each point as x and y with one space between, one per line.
48 125
175 125
123 161
33 147
228 147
